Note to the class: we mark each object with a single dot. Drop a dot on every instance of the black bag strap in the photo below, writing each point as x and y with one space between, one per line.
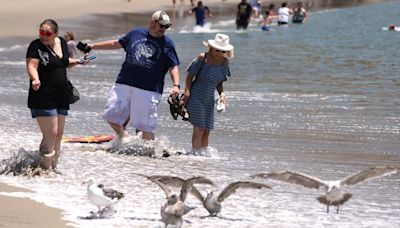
202 63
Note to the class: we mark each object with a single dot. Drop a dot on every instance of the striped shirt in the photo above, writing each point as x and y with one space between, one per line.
201 101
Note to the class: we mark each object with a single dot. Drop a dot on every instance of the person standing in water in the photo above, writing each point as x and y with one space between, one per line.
201 12
284 13
243 15
209 70
137 91
46 61
299 14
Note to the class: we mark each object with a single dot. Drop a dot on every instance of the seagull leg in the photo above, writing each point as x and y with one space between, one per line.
337 211
327 208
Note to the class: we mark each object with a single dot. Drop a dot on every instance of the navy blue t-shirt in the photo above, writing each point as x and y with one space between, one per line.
200 14
147 60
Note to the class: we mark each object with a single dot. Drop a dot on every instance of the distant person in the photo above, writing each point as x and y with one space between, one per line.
69 37
137 92
243 15
201 12
299 14
392 27
46 61
182 1
284 13
174 2
256 7
209 71
270 13
268 17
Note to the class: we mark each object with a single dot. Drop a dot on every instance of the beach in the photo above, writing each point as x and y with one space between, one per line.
15 25
19 18
24 213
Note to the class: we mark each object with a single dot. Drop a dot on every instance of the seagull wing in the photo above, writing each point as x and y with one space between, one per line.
371 173
293 178
188 187
232 187
177 182
111 193
168 180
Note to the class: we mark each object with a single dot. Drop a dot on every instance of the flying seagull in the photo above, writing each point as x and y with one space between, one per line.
174 208
212 202
103 198
334 194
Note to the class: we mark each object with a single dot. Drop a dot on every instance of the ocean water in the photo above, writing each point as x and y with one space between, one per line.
320 98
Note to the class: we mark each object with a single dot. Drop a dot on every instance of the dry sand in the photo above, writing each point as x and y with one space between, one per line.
22 17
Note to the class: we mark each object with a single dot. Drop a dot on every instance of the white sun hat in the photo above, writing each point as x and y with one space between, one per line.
220 42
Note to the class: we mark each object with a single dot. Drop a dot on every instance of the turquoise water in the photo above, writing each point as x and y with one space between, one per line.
321 98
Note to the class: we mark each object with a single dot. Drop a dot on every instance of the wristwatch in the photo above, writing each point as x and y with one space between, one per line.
177 85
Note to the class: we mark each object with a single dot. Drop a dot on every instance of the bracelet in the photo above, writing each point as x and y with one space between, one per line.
177 85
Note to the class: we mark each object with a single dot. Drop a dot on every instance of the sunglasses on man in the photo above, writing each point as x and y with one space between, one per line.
164 26
43 32
223 52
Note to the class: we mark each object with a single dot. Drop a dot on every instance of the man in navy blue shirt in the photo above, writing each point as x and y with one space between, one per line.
137 91
201 13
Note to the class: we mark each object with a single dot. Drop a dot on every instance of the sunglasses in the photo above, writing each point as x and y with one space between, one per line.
223 52
45 32
164 26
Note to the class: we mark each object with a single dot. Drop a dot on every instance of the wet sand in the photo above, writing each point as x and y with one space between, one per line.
24 213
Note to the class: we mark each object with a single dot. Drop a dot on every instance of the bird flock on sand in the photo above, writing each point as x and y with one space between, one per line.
174 208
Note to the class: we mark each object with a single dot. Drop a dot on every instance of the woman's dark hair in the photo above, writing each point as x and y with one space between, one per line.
284 4
300 4
52 23
271 6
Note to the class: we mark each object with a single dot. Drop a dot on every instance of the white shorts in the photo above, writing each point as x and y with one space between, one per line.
140 105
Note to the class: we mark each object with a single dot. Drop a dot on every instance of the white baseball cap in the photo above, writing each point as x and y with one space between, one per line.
161 17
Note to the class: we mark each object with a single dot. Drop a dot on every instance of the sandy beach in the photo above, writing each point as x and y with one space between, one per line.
21 212
21 18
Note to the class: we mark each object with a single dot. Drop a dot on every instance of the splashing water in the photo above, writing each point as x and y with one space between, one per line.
25 163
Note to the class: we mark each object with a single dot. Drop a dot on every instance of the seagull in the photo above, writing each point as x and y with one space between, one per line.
334 194
174 208
103 198
212 202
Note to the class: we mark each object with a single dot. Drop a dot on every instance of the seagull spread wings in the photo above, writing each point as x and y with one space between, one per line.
188 186
371 173
293 178
176 182
232 187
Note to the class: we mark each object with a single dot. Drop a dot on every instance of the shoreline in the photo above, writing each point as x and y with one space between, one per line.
26 213
116 18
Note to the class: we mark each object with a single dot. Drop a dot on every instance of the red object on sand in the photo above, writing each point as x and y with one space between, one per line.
88 139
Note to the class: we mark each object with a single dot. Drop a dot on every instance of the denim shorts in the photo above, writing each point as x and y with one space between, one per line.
48 112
